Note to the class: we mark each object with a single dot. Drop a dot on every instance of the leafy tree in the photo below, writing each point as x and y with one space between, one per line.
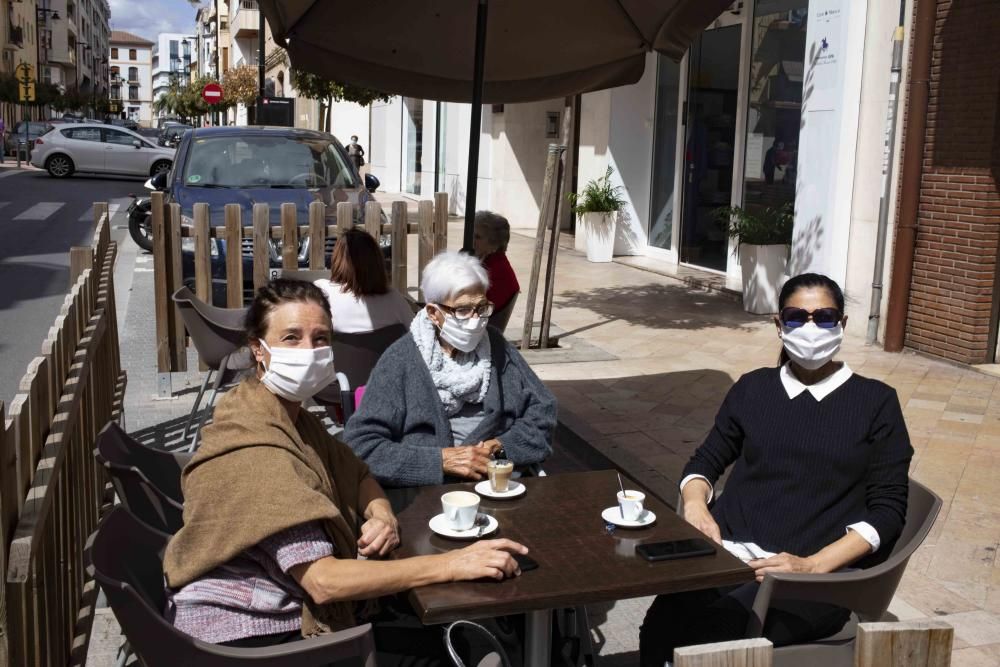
240 85
316 87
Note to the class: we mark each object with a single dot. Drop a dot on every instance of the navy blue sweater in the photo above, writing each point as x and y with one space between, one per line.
804 470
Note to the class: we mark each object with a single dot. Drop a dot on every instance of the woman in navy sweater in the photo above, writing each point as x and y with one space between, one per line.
819 481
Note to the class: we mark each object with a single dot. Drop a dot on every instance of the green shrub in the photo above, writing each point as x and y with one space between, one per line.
599 196
771 225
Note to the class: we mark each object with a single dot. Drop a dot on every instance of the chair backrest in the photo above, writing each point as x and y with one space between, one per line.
869 591
215 332
500 318
126 558
305 275
147 481
355 354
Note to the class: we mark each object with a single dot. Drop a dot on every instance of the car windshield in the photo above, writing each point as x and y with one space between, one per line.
267 162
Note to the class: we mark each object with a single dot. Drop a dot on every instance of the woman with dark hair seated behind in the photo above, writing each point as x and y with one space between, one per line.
358 288
277 511
820 461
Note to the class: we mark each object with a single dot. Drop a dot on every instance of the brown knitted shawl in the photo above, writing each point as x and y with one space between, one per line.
257 474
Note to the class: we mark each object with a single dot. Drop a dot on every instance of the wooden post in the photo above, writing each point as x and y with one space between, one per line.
907 644
202 253
440 222
234 257
425 237
536 263
317 235
162 267
178 340
399 249
81 258
373 219
289 237
261 244
741 653
345 217
100 209
561 204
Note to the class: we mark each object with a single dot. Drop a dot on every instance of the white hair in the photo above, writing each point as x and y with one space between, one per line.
451 273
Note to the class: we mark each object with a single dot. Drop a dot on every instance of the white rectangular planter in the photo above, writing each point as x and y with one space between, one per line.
764 270
580 236
600 236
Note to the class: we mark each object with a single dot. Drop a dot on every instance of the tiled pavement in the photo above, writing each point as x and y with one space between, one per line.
646 359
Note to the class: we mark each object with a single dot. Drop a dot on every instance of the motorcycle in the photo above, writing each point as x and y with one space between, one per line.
140 219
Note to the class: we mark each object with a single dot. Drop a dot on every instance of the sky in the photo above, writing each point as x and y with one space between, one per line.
151 17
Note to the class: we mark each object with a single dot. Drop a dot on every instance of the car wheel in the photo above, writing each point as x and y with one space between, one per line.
160 167
59 166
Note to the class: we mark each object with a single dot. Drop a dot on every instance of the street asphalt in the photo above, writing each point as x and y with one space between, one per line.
41 218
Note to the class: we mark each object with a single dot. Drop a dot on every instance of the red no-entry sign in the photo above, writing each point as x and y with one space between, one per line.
212 93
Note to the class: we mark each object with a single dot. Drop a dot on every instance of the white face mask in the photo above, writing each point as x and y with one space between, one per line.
298 373
463 335
811 346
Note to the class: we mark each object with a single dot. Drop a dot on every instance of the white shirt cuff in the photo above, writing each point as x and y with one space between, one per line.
866 531
711 489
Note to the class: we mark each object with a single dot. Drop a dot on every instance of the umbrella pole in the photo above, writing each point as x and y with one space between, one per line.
475 131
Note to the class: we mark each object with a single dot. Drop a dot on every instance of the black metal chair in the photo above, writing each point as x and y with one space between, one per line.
218 335
147 481
500 318
126 559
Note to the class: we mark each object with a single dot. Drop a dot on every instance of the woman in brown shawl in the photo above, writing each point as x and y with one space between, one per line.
277 511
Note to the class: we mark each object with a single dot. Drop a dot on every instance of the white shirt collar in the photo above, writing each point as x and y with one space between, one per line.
820 390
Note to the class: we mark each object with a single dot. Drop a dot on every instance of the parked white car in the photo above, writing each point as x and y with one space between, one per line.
98 148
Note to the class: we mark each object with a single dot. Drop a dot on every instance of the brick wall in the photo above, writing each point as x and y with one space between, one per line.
958 226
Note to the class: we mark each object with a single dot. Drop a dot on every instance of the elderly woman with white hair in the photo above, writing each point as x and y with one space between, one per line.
443 399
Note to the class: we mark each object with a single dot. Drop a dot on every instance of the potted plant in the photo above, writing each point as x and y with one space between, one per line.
763 236
598 207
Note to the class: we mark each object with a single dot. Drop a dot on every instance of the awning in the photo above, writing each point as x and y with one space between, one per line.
535 49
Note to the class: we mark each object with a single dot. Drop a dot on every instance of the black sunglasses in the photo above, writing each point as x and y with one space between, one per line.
824 318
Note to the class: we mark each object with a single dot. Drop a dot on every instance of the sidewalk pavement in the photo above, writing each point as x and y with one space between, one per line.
644 362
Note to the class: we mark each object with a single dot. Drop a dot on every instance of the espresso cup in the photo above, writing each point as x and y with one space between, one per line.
460 509
630 503
500 471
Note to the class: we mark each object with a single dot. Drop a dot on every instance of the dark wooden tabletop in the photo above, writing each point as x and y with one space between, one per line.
559 520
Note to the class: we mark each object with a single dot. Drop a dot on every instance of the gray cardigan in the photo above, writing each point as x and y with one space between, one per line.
400 427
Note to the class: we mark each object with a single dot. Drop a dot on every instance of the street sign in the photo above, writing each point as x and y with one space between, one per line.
24 72
26 92
212 93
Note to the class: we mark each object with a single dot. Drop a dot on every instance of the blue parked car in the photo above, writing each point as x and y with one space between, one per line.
261 165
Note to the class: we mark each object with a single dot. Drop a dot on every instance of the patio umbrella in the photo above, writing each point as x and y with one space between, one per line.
446 50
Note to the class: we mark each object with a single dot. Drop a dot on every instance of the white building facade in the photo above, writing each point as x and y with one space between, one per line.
778 102
171 61
131 79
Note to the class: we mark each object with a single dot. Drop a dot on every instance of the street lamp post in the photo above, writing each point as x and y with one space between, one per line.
42 14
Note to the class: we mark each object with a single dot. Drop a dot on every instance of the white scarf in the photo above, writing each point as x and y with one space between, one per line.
461 379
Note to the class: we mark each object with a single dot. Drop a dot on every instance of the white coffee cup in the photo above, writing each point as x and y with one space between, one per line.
630 503
460 509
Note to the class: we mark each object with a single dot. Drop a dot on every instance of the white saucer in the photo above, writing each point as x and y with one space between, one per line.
514 489
614 515
440 526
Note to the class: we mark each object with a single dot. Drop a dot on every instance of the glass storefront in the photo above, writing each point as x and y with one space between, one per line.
715 90
661 225
775 96
413 119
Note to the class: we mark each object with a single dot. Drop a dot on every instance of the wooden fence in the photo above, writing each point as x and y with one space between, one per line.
255 239
51 488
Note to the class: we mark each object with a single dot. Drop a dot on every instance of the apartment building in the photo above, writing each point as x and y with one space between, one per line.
131 81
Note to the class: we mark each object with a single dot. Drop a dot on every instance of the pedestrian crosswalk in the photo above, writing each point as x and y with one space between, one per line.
41 211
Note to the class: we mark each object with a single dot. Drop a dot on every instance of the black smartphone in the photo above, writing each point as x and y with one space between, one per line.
654 551
526 563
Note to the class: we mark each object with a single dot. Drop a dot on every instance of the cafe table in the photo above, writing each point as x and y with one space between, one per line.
580 562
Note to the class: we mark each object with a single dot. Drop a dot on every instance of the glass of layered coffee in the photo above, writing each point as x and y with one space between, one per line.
500 471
